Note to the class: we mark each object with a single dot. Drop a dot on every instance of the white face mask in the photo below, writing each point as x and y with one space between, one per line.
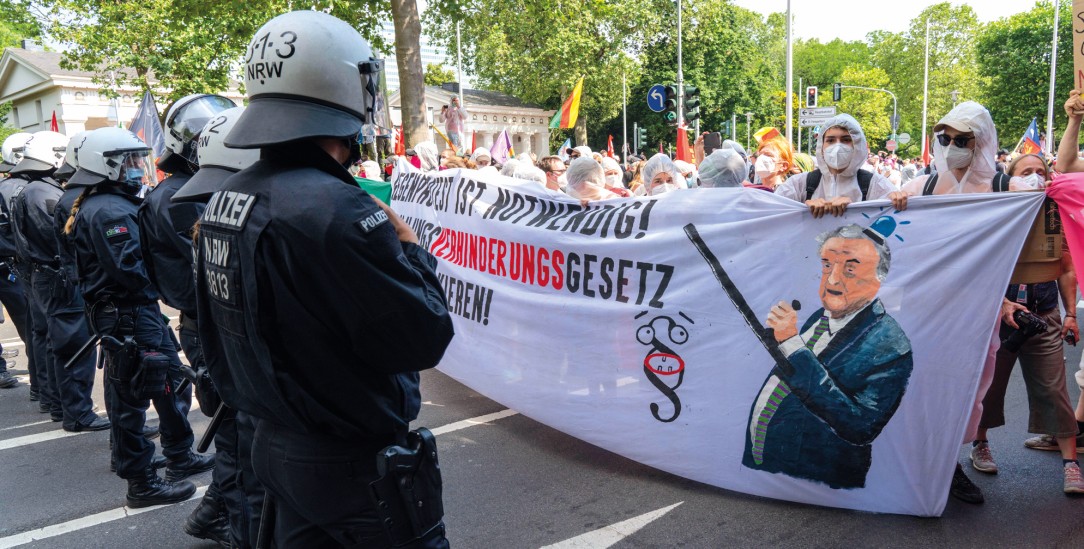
958 158
1027 183
661 189
614 181
562 181
765 166
838 155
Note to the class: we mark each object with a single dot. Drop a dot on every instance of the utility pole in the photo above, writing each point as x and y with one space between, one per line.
459 71
790 77
734 128
926 86
680 78
624 124
1053 64
748 133
800 88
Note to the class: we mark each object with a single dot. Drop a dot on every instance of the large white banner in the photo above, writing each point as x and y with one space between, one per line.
725 335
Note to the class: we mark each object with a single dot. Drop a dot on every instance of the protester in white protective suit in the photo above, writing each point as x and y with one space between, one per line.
723 168
586 181
661 176
964 155
841 151
509 167
427 154
481 157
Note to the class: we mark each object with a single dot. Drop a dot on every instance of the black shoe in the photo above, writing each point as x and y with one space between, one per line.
191 464
150 489
97 424
7 380
963 489
209 521
34 395
150 432
57 416
44 408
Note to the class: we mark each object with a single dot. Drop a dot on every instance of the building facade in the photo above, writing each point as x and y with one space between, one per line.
38 87
488 114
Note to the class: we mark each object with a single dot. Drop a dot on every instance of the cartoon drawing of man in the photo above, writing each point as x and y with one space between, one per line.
817 414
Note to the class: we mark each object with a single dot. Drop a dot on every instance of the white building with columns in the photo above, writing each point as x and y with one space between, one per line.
37 86
489 113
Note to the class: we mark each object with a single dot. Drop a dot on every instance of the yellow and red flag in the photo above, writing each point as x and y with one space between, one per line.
570 110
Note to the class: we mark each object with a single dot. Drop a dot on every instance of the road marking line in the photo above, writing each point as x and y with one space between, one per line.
59 433
480 420
85 522
122 512
13 343
27 425
609 535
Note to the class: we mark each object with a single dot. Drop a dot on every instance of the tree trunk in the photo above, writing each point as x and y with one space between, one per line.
581 129
408 30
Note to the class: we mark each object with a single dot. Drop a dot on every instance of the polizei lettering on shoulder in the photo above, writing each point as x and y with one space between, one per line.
228 209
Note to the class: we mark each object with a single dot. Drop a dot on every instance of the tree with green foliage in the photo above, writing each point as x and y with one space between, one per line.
436 74
530 50
1014 53
186 46
17 22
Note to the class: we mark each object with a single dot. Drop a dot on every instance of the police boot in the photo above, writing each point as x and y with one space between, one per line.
150 489
209 521
188 465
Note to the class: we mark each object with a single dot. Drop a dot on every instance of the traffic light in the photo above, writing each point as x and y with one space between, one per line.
837 92
811 96
671 114
692 103
641 136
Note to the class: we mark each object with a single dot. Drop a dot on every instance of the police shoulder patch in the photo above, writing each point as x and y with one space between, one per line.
372 221
116 230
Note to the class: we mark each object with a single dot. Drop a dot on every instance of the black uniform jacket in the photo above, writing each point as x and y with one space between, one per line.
32 221
165 232
313 314
9 188
107 255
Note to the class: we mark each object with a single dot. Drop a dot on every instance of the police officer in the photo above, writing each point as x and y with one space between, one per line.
54 299
122 306
317 306
42 155
165 231
234 483
12 292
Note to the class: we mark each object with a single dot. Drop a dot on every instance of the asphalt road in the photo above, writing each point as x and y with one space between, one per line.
511 482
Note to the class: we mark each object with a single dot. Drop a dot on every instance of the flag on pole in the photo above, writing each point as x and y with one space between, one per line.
562 153
570 110
147 127
444 137
400 146
1031 139
54 126
926 153
473 141
610 147
502 149
683 151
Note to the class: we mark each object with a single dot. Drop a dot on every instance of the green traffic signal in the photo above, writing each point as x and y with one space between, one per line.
670 116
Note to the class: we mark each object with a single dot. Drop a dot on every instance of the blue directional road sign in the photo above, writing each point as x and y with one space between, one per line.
656 98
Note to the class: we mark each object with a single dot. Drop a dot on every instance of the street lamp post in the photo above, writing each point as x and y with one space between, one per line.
926 86
748 133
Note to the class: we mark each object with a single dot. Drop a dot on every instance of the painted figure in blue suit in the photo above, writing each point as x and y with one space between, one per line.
818 413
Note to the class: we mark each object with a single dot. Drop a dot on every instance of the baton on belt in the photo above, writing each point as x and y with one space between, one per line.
221 414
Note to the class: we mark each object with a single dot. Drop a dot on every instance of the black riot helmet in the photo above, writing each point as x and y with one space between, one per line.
182 124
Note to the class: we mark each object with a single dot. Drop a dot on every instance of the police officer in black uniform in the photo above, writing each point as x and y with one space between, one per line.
165 231
12 292
42 155
142 361
317 306
234 482
55 298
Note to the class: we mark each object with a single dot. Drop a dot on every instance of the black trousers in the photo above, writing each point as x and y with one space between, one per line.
132 452
41 359
320 487
68 330
248 527
13 296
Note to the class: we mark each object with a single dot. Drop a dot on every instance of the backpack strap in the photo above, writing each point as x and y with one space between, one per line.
931 182
812 181
1000 182
864 180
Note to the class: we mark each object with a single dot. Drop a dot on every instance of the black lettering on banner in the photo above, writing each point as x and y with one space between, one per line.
466 299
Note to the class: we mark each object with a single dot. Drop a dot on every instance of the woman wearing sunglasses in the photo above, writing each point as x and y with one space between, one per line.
964 155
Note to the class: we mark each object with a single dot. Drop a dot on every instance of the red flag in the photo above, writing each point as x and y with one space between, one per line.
400 147
683 152
660 147
473 141
926 153
610 147
54 127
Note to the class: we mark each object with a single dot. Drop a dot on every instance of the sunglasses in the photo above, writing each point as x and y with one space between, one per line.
960 140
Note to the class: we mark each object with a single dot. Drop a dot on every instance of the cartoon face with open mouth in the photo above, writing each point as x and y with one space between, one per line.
662 334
